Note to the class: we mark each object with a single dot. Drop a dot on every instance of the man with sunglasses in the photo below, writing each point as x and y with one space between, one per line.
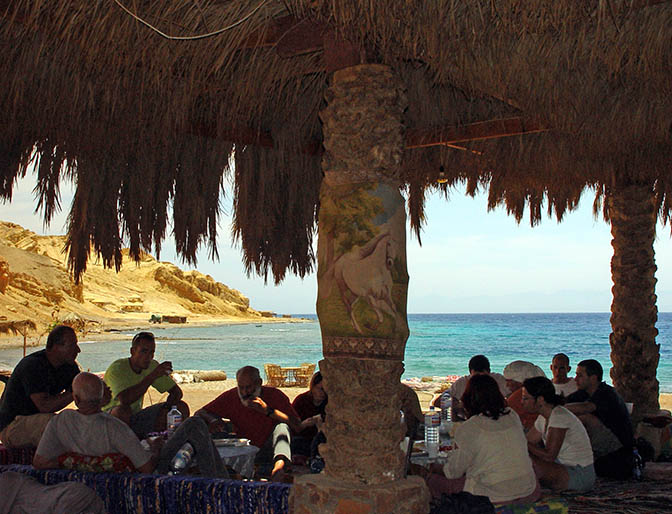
130 378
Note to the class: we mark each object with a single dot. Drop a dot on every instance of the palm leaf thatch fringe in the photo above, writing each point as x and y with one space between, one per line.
143 124
17 327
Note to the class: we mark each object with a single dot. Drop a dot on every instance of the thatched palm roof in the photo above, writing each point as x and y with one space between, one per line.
17 326
143 121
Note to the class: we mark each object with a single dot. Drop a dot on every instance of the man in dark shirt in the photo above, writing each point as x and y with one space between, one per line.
40 385
606 419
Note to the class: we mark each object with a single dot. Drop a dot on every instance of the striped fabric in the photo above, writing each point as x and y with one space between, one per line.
130 493
16 455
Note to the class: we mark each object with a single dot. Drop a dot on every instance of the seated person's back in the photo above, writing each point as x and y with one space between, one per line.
491 446
89 431
478 365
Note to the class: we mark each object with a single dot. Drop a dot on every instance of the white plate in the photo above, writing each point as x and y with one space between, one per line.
231 442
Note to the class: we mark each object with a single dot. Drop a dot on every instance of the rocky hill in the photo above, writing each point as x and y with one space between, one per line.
35 285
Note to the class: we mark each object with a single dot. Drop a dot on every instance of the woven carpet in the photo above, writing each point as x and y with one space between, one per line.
16 455
126 493
652 495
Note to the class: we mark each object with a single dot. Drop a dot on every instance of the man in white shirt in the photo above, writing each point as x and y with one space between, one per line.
478 365
89 431
564 386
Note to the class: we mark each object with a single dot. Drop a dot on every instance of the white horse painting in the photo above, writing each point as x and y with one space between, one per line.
365 273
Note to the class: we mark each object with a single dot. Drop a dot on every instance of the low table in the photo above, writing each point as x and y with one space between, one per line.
424 460
240 458
421 458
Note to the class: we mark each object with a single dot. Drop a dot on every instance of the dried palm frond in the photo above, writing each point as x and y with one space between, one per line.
146 125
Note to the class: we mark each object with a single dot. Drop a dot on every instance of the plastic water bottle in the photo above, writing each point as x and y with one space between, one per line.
446 423
637 464
445 406
432 423
182 459
173 419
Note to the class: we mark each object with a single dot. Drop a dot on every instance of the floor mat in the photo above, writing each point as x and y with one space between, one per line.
651 495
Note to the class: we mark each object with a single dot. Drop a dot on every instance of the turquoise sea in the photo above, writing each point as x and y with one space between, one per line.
439 344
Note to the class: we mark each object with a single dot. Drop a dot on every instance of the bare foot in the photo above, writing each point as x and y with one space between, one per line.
278 473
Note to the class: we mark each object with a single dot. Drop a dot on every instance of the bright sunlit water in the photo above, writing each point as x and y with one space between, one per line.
439 344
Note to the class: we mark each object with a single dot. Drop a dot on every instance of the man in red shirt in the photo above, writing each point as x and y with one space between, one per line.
261 414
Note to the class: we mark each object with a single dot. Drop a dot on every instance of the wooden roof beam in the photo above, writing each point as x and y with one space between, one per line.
289 35
478 131
418 138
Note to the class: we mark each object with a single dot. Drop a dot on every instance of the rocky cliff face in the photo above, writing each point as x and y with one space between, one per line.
35 284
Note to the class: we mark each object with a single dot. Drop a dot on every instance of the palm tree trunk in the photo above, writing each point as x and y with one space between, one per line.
634 351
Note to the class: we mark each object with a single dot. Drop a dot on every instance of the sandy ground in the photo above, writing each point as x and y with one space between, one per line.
200 393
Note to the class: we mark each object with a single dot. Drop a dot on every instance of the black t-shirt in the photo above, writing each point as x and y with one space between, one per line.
33 374
610 410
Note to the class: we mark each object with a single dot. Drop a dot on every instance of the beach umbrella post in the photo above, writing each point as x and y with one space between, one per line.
362 294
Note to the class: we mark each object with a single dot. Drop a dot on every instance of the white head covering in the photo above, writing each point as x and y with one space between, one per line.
521 371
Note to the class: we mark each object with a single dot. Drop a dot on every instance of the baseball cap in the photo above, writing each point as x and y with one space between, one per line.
521 371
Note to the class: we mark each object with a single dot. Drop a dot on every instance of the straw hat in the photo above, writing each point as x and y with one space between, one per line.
521 371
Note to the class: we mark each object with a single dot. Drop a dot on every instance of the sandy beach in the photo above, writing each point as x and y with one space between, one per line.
200 393
110 329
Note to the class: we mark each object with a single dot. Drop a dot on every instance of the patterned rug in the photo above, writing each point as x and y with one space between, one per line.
652 495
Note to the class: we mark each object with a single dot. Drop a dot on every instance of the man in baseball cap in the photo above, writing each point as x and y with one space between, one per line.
515 374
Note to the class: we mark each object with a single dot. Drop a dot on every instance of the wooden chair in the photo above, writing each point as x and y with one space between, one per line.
274 375
303 377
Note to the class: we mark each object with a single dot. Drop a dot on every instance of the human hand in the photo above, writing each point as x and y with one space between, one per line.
155 444
258 405
163 370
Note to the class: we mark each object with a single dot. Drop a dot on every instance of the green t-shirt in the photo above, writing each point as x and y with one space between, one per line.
120 376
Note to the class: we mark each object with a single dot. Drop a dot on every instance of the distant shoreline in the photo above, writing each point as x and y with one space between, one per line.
111 329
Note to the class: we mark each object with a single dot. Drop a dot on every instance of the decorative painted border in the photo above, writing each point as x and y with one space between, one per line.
363 347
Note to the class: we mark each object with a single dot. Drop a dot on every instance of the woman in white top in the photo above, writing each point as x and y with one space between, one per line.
559 444
491 458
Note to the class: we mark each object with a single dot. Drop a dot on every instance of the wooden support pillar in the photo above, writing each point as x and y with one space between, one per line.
634 351
362 290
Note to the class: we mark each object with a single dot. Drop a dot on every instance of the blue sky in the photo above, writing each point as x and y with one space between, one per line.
471 260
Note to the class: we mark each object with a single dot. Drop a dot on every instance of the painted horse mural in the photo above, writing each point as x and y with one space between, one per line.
365 273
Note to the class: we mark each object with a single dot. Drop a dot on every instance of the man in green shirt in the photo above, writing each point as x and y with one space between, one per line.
130 378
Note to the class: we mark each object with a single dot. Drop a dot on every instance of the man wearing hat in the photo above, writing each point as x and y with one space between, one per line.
515 374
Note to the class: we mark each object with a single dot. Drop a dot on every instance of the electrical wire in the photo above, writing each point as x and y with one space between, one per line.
190 38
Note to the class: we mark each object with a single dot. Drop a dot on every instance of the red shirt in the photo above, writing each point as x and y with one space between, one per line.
305 408
515 401
255 426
